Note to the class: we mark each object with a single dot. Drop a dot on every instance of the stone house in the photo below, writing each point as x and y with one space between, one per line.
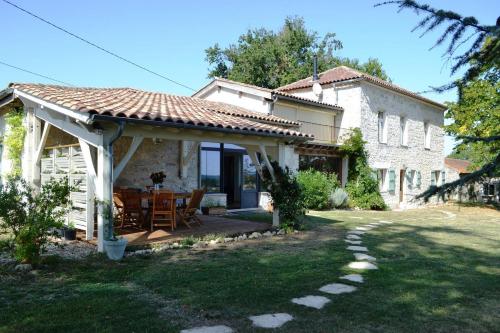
403 130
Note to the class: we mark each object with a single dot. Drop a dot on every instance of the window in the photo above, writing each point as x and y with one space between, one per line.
427 136
410 178
249 174
382 135
321 163
210 168
436 178
381 178
403 133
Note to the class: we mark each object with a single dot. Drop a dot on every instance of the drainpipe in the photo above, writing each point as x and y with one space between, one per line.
114 137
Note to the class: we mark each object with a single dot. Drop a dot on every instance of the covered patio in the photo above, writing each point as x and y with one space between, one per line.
118 137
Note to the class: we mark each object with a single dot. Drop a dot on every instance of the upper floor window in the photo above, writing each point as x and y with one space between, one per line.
403 133
427 135
382 132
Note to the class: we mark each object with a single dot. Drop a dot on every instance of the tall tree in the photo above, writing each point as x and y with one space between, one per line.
272 59
481 60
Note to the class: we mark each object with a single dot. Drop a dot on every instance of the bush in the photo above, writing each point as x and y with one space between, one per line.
317 187
287 196
31 216
338 198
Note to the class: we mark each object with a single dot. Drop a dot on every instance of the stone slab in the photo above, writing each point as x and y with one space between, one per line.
337 288
209 329
357 248
364 256
355 242
273 320
356 232
362 265
354 237
312 301
353 277
363 228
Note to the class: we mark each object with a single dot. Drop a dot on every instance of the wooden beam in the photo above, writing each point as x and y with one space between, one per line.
41 145
136 142
263 152
255 160
89 162
185 159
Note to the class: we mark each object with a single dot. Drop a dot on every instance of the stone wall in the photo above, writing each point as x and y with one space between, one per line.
155 157
392 155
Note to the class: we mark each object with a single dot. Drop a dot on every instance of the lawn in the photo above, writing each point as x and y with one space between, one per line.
439 271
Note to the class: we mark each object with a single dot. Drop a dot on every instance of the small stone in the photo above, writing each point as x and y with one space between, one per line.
337 288
254 235
274 320
175 245
352 242
355 237
311 301
385 222
356 232
281 232
364 256
362 265
209 329
212 242
357 248
353 277
228 239
267 234
363 228
23 267
244 236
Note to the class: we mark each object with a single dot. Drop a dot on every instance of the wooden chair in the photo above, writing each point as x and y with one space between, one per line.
118 204
163 212
188 214
132 211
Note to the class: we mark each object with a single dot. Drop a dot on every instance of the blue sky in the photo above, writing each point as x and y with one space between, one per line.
170 37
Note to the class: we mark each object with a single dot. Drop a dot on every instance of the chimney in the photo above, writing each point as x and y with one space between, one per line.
315 68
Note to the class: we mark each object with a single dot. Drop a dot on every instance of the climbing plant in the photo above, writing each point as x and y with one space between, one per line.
14 138
362 186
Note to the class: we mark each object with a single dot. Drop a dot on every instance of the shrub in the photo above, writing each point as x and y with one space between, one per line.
338 198
31 216
287 196
317 187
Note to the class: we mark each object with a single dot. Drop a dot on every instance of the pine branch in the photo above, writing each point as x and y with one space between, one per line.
487 139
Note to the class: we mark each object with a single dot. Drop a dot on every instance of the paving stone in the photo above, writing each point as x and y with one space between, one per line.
273 320
355 237
209 329
353 277
363 228
337 288
362 265
364 256
357 248
355 217
386 222
356 242
311 301
356 232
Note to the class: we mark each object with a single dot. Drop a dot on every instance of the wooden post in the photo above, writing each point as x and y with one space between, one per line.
35 145
104 193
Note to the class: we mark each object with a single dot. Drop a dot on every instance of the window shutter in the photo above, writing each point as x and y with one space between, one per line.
419 179
392 180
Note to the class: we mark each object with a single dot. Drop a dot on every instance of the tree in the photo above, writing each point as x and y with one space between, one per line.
272 59
478 115
481 60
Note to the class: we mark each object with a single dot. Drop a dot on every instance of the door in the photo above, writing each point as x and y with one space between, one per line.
402 175
232 186
249 192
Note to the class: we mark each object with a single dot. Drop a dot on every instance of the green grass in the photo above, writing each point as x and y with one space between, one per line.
436 274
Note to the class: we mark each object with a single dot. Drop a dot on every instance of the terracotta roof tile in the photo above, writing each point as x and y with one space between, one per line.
344 73
138 104
461 166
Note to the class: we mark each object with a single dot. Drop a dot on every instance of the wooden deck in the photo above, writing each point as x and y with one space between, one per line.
211 225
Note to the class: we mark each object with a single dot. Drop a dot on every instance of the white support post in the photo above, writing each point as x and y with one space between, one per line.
103 193
136 142
263 152
91 187
345 171
35 143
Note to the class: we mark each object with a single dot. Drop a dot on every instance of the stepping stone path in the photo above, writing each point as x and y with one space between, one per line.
273 320
355 237
364 256
353 277
357 248
311 301
362 265
353 242
209 329
337 288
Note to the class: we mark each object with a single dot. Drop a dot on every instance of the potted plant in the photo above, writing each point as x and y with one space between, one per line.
115 247
212 207
70 232
157 178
